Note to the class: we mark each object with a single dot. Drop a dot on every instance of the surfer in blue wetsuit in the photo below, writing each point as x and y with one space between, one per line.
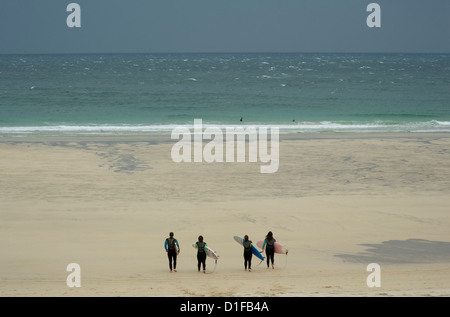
247 253
269 247
201 253
173 249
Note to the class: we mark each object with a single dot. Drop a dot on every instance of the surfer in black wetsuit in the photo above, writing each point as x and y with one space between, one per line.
173 249
201 253
247 253
269 247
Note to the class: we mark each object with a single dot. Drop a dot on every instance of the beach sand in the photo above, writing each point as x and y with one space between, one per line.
338 202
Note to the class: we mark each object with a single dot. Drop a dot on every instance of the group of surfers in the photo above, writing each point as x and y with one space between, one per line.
173 250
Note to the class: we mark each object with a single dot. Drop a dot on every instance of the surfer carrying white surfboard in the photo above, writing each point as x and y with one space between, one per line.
173 249
201 253
269 247
247 253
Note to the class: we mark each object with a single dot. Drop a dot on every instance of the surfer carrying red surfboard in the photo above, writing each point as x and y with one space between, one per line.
269 247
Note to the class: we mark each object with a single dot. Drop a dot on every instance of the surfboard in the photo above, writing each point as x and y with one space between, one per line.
209 252
279 248
254 249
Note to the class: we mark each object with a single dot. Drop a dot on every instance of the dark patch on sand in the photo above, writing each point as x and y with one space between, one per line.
402 251
117 160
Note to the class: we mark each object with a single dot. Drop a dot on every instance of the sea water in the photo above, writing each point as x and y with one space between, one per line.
116 94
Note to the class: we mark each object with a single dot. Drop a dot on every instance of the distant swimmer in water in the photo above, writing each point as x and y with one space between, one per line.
241 119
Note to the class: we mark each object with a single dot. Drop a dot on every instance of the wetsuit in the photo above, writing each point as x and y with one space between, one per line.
172 247
270 250
247 254
201 254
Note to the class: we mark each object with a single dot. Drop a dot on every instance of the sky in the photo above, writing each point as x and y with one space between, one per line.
161 26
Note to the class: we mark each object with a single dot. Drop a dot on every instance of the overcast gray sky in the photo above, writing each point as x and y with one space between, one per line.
140 26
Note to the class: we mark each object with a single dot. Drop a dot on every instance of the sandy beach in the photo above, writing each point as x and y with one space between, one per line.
338 202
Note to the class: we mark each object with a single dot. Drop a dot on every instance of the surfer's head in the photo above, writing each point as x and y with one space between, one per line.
171 234
246 237
200 238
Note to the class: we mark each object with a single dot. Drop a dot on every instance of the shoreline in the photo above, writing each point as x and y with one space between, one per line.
166 137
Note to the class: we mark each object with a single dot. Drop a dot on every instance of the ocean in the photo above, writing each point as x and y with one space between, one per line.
120 94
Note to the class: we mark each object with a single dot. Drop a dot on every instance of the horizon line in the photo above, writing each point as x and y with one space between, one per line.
225 52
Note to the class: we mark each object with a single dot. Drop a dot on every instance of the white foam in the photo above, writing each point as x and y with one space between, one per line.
443 123
294 127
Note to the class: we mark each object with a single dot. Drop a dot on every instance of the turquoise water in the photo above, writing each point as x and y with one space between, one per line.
144 93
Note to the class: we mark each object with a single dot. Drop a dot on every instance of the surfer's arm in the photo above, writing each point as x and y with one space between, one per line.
165 245
264 244
178 246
